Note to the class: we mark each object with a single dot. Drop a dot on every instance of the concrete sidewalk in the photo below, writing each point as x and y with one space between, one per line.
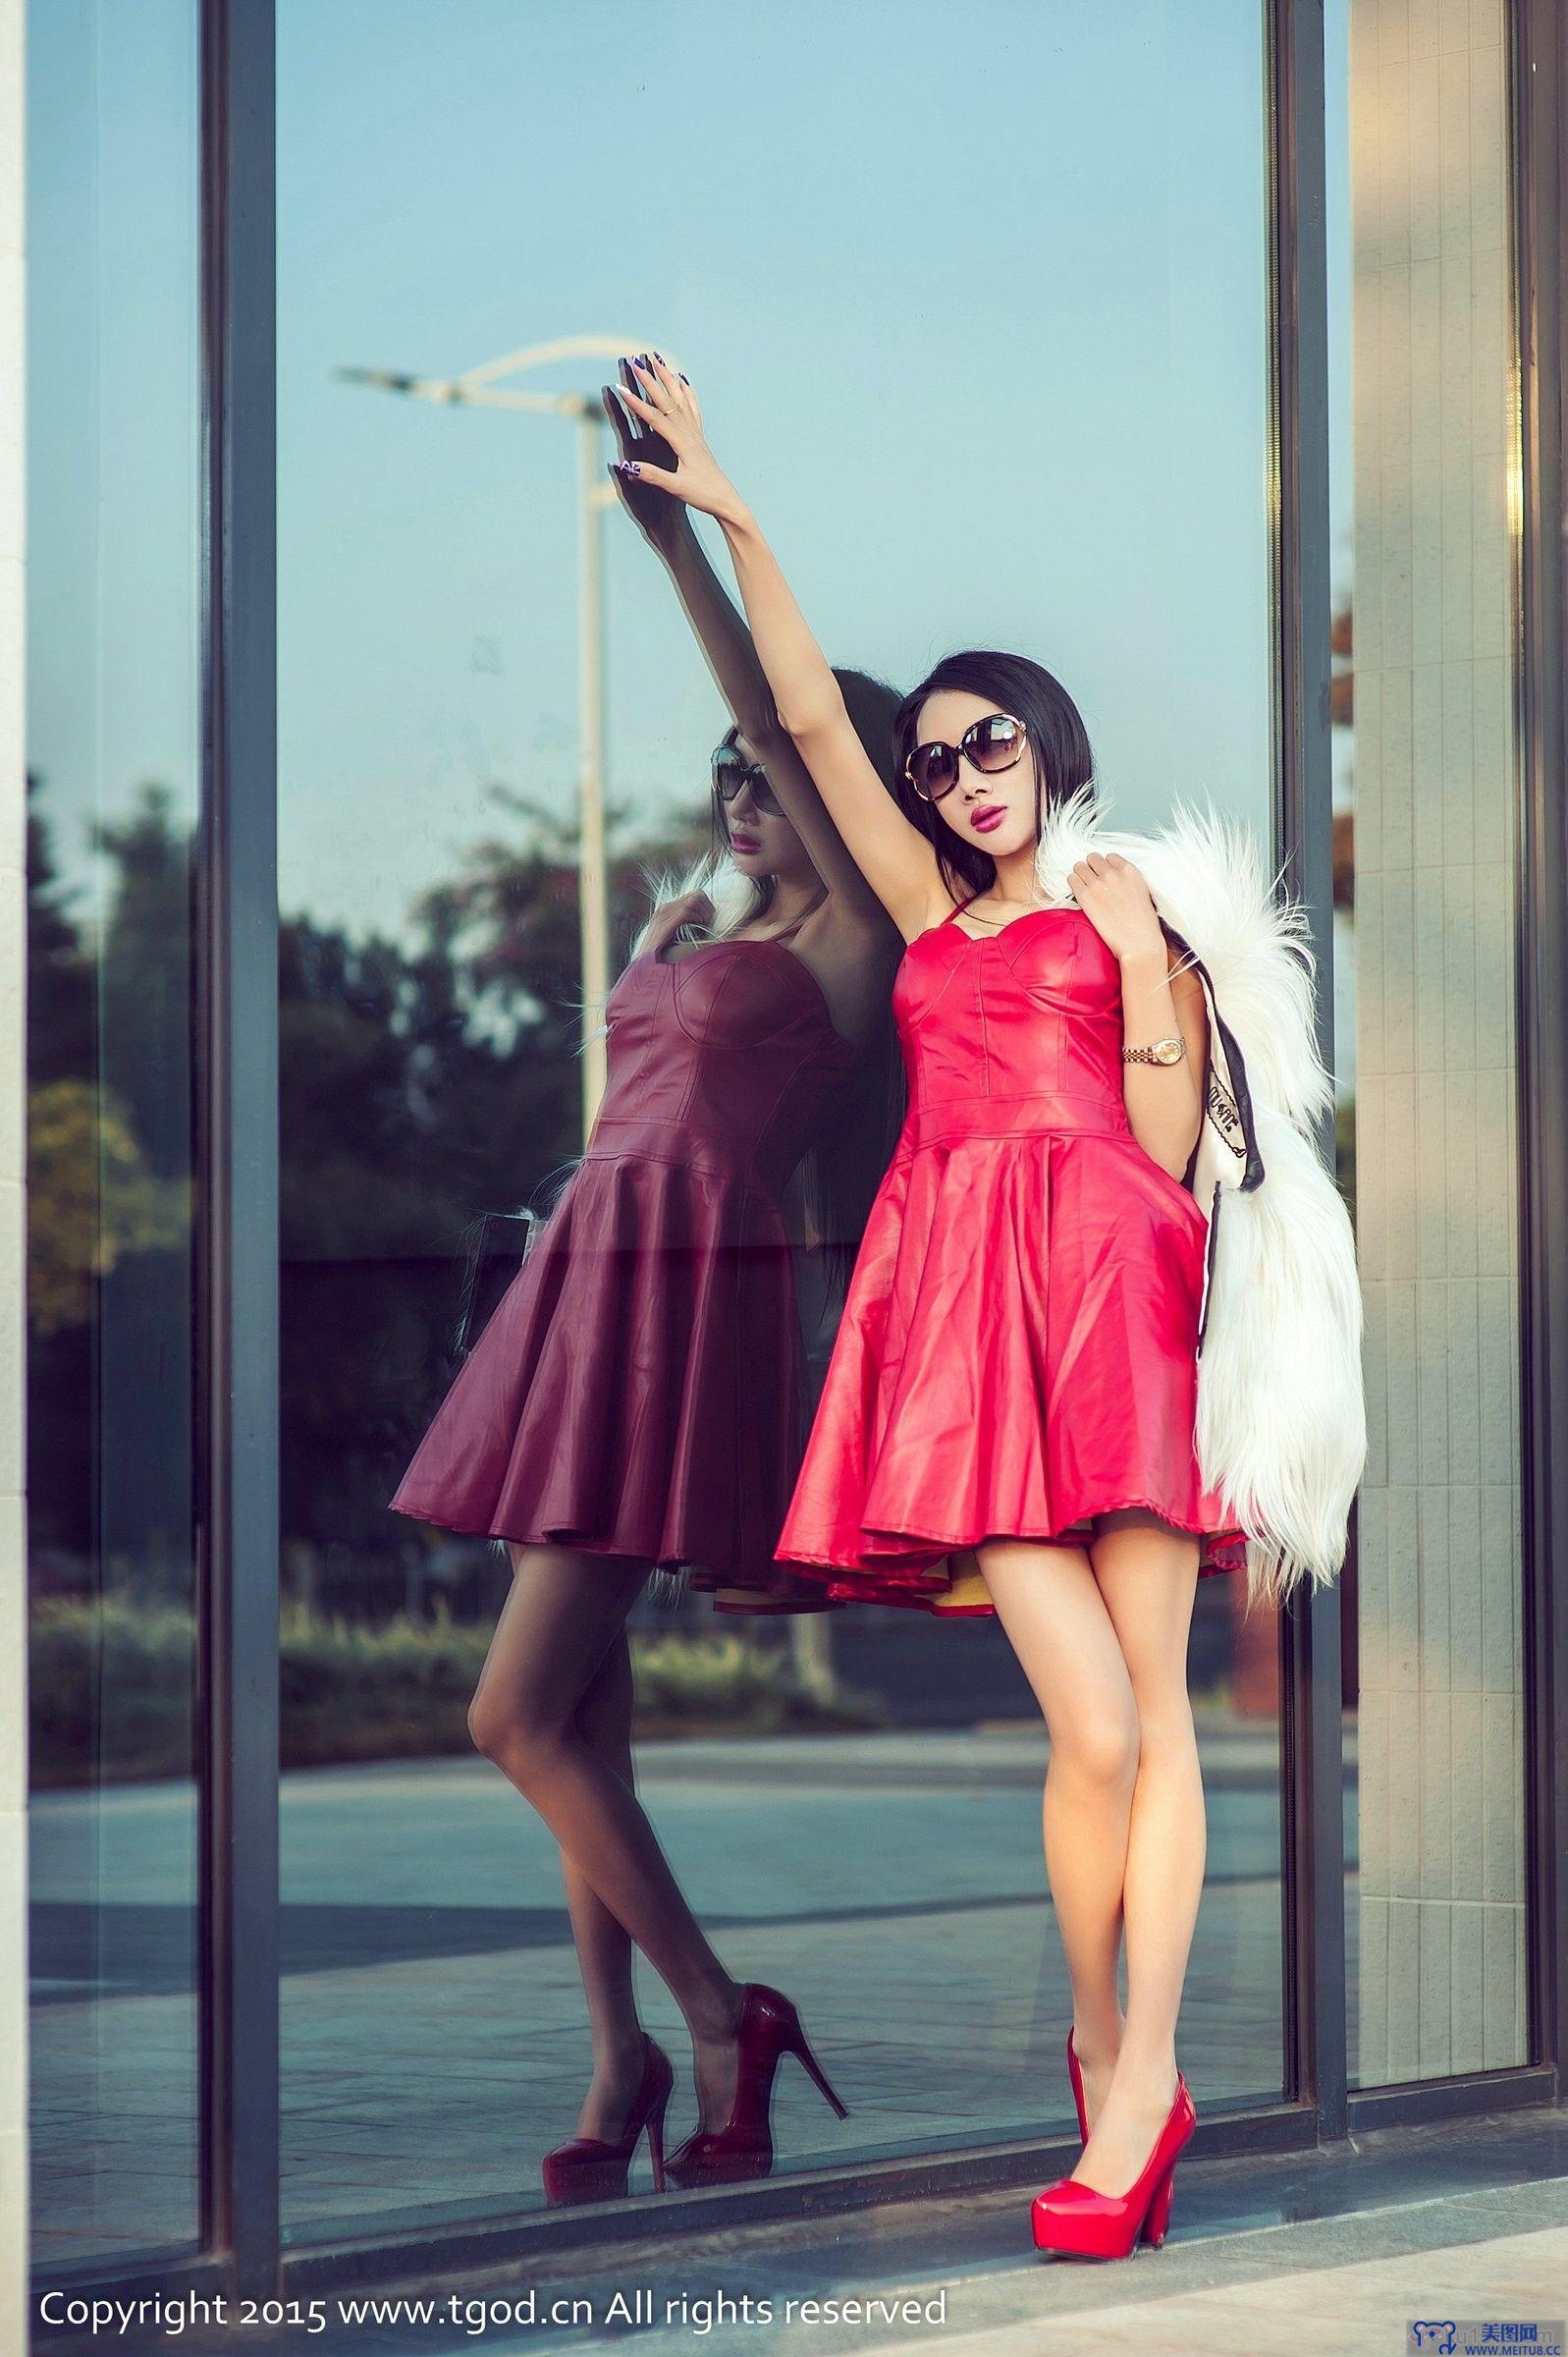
1354 2310
1342 2284
1334 2249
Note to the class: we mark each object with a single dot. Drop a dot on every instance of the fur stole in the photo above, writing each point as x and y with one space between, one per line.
1281 1423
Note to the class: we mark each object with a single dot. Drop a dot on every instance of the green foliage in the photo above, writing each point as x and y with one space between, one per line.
112 1681
90 1201
111 1689
730 1680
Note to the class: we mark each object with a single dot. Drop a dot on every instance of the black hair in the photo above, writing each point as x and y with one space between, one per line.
1058 744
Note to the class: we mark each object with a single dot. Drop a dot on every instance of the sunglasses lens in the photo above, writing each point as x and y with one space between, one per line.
730 773
932 768
994 743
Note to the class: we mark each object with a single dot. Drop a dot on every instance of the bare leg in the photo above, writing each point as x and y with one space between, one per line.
1148 1575
603 1943
1050 1603
562 1617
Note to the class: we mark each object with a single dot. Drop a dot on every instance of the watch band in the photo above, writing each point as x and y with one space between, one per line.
1158 1051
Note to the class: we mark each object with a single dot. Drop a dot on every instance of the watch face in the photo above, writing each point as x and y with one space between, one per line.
1168 1050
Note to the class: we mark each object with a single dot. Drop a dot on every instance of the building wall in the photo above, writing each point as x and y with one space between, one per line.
1442 1889
12 1552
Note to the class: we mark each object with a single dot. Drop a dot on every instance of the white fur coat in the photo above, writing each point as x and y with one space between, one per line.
1282 1424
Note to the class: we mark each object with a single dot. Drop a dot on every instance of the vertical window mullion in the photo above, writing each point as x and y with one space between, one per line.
236 888
1313 1882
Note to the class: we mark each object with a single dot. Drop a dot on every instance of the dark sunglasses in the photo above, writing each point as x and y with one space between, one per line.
730 773
993 744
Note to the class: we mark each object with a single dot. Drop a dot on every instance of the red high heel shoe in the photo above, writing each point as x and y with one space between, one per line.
1073 2217
1076 2076
591 2169
770 2028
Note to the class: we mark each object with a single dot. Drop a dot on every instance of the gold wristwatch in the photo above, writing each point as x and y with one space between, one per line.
1158 1051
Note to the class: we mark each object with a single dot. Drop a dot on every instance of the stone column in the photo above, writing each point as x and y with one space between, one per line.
1442 1887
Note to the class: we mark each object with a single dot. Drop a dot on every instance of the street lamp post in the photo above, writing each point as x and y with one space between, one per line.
485 387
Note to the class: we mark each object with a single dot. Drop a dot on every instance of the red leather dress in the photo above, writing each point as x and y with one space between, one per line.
1018 1349
639 1389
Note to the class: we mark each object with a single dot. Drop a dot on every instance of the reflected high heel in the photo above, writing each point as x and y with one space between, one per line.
770 2028
1073 2217
592 2168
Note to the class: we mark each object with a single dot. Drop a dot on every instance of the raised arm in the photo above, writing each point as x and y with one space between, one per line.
894 857
721 631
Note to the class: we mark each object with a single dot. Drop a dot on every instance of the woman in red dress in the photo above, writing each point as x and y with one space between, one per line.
1008 1423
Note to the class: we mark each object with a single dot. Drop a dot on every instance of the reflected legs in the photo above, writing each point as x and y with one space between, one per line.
1102 1634
563 1615
603 1942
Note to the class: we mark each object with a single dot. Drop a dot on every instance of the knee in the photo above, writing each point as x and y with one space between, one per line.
512 1739
1166 1723
1103 1751
485 1729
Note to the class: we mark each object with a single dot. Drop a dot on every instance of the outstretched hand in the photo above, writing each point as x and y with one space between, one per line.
657 516
664 401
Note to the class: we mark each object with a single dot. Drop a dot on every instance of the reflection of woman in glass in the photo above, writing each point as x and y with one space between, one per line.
1009 1420
636 1398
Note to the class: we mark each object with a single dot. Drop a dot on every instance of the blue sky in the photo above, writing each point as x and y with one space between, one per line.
975 302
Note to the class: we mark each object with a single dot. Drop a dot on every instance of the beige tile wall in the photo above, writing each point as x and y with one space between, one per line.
1443 1953
12 1552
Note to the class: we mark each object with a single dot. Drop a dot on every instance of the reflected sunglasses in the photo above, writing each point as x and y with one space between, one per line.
993 744
730 773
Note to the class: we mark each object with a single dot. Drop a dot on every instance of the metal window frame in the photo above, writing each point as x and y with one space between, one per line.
237 1076
1539 94
1313 1870
245 2251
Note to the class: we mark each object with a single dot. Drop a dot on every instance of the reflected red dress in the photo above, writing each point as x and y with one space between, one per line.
1018 1349
639 1389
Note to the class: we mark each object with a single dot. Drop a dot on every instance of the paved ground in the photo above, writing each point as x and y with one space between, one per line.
1333 2250
1337 2251
1346 2287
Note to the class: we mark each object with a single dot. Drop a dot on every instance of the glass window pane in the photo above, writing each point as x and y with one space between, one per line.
1002 383
113 739
1426 838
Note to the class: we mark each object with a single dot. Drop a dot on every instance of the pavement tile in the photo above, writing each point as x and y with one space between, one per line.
1356 2311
